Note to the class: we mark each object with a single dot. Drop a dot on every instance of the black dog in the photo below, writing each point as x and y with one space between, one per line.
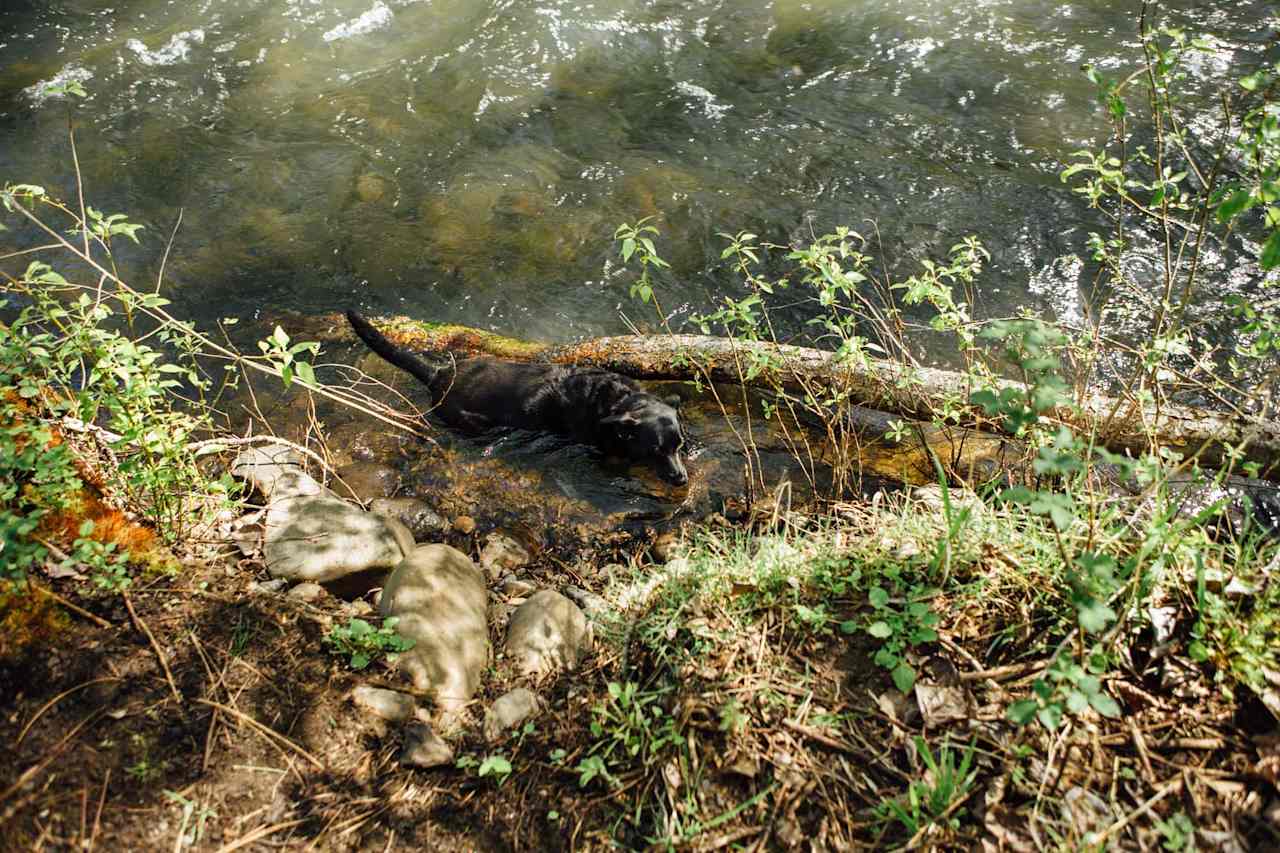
593 406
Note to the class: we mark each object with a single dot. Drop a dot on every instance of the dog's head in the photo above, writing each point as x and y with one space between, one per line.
648 430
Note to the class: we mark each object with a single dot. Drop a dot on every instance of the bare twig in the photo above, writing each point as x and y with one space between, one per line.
164 664
257 834
1165 790
79 611
47 705
267 731
97 817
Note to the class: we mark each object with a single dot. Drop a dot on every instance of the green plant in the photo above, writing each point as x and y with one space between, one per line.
194 817
935 799
898 627
110 569
1174 186
630 728
1177 833
1067 688
496 766
362 643
637 240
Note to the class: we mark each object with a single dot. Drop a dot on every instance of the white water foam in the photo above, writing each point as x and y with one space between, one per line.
375 19
177 49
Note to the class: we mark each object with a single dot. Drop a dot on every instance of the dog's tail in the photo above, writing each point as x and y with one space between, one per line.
399 356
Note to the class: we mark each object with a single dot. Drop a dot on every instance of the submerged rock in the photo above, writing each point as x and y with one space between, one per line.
358 441
321 539
423 523
509 711
439 596
367 481
547 633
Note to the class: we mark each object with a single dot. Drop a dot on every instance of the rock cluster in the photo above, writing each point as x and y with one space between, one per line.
325 544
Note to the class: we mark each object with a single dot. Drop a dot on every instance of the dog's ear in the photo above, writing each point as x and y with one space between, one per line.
672 400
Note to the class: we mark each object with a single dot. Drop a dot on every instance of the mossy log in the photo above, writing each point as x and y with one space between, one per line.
1119 424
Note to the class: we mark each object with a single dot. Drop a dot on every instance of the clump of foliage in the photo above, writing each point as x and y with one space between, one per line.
1061 560
361 643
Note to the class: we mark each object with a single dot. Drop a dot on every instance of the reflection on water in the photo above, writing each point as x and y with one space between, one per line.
469 161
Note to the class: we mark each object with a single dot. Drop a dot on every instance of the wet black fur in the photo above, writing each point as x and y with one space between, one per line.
592 406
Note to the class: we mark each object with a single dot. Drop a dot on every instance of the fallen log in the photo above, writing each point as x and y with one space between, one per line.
1122 425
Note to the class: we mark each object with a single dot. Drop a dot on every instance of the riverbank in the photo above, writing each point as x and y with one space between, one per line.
855 677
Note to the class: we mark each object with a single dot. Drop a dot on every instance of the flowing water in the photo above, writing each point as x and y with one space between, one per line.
468 161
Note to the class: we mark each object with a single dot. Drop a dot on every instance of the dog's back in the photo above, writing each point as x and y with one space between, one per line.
591 405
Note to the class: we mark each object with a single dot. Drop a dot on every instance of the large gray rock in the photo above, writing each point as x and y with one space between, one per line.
414 514
439 596
276 471
548 632
322 539
509 711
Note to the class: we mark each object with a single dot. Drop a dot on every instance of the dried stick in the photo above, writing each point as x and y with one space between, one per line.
54 701
270 733
142 626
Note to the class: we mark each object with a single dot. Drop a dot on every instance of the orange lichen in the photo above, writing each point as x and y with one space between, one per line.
27 618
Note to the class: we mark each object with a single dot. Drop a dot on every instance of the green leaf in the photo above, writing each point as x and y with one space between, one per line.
1094 616
1022 711
1271 252
878 597
904 677
880 630
923 635
1077 701
1050 716
1237 203
1018 495
1105 705
495 764
305 373
359 660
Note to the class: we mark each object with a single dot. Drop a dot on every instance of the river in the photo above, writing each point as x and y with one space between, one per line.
469 161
